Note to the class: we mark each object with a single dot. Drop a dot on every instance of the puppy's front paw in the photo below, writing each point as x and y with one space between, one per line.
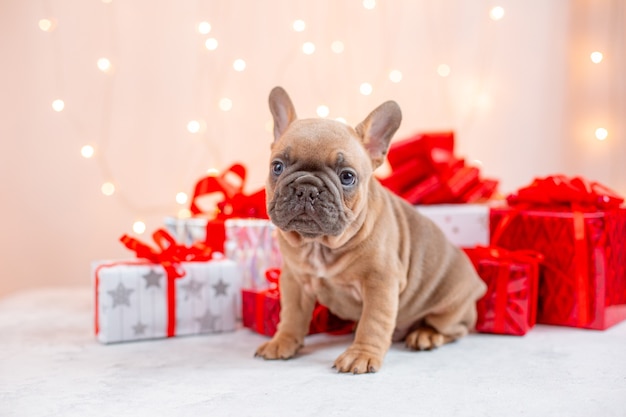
279 348
426 338
358 360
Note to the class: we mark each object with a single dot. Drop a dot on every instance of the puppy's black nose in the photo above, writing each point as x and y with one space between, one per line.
307 193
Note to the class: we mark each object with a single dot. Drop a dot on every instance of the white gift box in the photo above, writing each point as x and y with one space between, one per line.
465 225
253 245
132 299
188 230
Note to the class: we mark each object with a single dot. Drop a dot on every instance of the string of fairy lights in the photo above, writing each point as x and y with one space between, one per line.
104 64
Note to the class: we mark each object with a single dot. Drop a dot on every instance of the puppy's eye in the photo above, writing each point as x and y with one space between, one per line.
277 168
347 177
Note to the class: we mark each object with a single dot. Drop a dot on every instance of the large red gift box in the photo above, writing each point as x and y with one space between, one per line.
261 311
510 304
579 228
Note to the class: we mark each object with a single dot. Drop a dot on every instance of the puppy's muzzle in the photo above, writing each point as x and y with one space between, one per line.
307 205
306 194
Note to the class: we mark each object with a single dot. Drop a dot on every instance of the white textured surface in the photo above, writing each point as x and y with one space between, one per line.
51 365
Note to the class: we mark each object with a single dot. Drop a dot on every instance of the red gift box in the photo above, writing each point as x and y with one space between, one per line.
510 304
261 311
579 227
425 171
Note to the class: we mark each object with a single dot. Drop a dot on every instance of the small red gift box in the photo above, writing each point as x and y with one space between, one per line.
510 304
261 311
579 227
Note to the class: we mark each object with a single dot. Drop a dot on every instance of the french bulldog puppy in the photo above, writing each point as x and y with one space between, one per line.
358 249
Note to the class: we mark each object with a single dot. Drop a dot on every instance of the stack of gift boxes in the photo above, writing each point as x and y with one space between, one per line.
202 274
552 253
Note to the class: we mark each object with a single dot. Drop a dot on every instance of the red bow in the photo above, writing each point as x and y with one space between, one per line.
559 190
225 184
272 275
235 203
169 254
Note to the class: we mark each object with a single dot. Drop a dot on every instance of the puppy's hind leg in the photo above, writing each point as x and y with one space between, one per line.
426 338
439 329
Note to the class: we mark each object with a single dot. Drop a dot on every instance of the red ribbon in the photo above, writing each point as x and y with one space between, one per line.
582 267
501 254
506 258
558 192
244 206
272 276
425 171
168 254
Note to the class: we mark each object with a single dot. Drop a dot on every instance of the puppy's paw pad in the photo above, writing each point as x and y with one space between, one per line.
426 338
358 362
278 349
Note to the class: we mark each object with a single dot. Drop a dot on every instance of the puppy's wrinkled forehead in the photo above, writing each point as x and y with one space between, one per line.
319 141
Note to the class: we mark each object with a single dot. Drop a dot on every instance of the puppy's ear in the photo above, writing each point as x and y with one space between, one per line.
377 130
282 110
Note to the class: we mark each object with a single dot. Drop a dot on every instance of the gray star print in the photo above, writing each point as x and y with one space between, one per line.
153 279
220 288
207 321
192 287
120 295
139 328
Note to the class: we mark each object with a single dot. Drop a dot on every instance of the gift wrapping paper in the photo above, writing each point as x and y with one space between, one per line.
187 230
510 304
465 225
583 276
132 299
260 310
253 245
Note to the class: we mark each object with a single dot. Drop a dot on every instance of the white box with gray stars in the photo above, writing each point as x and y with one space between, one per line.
132 299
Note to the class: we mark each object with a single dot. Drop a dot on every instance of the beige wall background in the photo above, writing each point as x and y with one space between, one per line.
522 95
